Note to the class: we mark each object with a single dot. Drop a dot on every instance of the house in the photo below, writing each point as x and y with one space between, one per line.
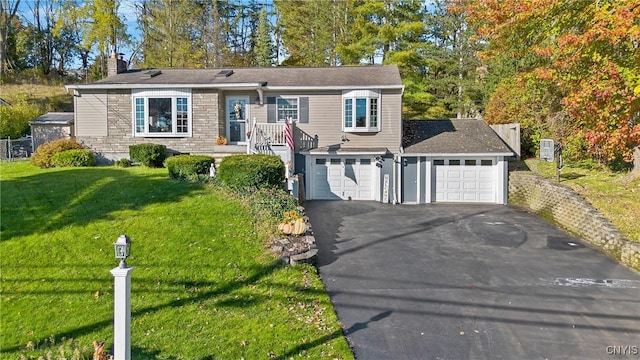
339 127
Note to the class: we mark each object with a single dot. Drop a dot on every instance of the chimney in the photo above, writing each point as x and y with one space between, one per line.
115 64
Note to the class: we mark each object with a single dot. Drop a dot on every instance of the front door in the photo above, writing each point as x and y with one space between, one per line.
237 114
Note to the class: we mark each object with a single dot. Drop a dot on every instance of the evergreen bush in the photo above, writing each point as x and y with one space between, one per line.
251 171
124 162
45 152
186 166
150 155
74 158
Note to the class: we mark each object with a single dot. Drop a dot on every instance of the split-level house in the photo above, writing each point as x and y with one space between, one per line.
345 124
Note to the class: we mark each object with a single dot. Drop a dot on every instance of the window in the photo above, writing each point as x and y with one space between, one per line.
470 162
162 113
486 162
287 108
361 109
438 162
454 162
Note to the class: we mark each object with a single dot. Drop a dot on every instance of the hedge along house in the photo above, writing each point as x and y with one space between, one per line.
457 160
345 122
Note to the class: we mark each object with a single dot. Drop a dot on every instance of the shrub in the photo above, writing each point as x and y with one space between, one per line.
44 153
251 171
124 162
14 120
151 155
186 166
273 202
75 158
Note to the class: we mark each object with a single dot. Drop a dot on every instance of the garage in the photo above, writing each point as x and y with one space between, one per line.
342 177
465 180
455 161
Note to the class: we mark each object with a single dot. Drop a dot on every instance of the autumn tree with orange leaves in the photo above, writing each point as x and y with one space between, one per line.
589 50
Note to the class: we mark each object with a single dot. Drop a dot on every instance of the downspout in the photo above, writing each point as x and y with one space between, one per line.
396 162
261 94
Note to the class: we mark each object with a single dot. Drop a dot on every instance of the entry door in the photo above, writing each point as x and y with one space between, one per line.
237 113
409 179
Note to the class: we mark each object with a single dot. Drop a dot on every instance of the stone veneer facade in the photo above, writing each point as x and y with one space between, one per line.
570 210
205 127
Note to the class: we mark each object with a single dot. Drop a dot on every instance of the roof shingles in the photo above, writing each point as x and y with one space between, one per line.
452 136
346 76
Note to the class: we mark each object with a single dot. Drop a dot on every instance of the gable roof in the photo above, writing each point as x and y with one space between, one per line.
53 118
267 78
452 136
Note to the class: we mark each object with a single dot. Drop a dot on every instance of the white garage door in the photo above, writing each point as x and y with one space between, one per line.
465 180
342 178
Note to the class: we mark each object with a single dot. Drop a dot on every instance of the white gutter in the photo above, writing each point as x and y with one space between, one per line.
234 86
333 87
458 154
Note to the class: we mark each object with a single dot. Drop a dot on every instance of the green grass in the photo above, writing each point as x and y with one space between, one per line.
615 198
203 287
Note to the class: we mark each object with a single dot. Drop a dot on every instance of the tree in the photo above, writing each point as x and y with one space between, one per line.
311 30
168 33
263 50
8 10
589 49
43 23
453 72
381 27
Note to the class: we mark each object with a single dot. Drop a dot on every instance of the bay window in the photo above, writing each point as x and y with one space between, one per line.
162 113
361 109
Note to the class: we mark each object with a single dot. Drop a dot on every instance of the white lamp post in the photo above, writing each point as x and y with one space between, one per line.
122 301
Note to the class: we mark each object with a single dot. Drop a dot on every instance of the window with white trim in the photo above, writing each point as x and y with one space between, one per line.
361 109
287 108
162 113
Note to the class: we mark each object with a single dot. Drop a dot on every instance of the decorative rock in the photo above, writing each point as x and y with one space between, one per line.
276 248
284 241
308 257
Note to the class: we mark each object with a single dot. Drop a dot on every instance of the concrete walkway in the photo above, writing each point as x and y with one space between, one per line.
471 282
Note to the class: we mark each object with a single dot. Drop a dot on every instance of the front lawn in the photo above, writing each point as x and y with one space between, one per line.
203 287
616 199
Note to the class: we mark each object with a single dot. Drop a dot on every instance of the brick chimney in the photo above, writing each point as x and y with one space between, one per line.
115 64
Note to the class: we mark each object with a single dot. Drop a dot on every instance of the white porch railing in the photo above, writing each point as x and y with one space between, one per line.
263 136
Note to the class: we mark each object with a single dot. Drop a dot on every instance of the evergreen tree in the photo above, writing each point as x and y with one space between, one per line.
311 30
263 49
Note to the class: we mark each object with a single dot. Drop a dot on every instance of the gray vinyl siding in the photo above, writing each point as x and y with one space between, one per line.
325 120
91 114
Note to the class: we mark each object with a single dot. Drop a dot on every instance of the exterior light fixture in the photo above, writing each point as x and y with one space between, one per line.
122 248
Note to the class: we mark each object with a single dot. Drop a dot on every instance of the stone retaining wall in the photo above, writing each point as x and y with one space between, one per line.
574 213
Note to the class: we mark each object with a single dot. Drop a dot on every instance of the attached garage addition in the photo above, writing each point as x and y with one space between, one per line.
459 160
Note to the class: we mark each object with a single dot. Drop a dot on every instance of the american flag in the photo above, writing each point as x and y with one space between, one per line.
288 135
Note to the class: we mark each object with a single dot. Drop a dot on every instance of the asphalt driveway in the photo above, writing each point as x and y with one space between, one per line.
471 282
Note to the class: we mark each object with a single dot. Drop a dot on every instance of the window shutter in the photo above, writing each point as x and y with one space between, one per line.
304 110
271 109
